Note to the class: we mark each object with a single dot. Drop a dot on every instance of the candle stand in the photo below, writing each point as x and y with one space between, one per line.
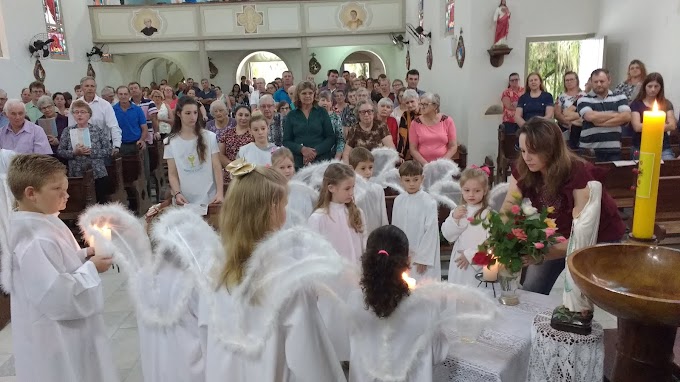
480 277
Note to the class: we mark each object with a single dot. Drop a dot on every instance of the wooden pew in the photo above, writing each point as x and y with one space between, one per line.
115 172
81 195
460 157
506 153
135 183
668 209
627 148
619 180
158 173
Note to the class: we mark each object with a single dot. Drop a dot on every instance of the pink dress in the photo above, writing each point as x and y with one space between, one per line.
432 141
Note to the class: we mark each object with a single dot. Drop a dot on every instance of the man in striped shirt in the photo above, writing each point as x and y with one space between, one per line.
603 115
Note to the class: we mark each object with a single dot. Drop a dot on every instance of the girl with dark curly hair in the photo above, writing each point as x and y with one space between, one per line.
398 332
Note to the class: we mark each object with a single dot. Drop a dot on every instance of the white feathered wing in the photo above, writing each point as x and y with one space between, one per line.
6 207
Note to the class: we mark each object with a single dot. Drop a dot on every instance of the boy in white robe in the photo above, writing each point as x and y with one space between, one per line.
372 201
58 330
416 213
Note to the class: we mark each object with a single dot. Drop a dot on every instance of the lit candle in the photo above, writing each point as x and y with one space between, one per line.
490 273
411 282
99 249
653 123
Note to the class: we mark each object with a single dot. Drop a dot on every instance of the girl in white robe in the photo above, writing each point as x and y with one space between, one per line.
398 333
342 223
301 196
260 318
58 331
458 228
162 286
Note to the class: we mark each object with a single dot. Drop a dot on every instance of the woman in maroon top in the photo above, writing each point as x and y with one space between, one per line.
549 175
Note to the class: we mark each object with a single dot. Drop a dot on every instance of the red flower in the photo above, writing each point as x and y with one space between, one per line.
520 234
515 209
561 239
539 245
510 236
481 258
471 219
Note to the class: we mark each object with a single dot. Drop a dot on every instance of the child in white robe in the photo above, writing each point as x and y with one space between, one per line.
399 332
260 151
372 202
58 330
341 222
474 183
301 197
261 321
337 217
416 213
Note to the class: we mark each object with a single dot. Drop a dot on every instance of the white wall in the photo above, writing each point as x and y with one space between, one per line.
466 93
333 57
23 20
637 30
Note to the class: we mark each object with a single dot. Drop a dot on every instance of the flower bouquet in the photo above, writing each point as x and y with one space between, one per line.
521 231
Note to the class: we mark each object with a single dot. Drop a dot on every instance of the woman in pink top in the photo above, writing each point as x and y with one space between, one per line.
432 135
509 98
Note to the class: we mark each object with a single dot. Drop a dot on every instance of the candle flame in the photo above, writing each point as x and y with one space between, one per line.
655 107
411 282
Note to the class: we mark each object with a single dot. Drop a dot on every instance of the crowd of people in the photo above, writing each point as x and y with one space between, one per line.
254 140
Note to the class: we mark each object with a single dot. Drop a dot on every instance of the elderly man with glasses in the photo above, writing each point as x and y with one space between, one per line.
20 135
37 90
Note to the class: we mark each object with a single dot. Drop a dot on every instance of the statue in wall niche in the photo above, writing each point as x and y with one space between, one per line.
502 19
575 315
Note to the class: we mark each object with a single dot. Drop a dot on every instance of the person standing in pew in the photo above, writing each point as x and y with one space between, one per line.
132 123
550 175
92 148
604 113
194 168
652 90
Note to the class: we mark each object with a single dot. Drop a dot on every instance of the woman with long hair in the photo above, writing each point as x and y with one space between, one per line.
307 130
550 175
261 320
565 109
194 168
233 139
536 102
652 91
637 72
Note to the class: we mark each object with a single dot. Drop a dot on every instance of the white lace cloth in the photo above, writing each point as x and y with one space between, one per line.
501 352
560 356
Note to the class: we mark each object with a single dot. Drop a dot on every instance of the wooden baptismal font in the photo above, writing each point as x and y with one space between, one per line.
639 284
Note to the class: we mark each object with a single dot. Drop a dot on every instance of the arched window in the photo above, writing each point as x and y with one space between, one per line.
55 28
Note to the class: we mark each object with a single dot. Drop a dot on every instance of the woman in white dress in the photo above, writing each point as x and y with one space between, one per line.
260 320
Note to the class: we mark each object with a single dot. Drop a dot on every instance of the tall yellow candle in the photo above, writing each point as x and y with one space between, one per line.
653 123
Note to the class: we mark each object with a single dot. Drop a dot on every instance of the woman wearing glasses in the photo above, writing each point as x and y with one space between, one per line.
567 116
509 98
369 132
432 134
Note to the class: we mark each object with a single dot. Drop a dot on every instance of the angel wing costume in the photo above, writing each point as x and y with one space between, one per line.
268 328
6 206
163 284
417 335
583 234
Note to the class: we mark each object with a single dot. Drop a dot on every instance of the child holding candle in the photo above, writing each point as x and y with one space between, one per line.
415 212
398 333
260 320
57 301
474 182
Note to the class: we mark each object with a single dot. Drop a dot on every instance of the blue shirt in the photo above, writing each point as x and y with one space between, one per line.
282 95
534 107
4 121
130 122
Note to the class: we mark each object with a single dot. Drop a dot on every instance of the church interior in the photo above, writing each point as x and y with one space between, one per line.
465 63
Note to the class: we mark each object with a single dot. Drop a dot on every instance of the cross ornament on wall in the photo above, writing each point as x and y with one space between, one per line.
250 18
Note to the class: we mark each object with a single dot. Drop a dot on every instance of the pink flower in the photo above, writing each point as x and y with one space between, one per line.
515 209
471 219
519 234
539 245
549 232
561 239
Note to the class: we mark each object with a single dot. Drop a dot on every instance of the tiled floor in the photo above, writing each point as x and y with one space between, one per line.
121 326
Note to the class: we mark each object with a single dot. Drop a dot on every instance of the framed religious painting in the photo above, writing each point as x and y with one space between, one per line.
449 19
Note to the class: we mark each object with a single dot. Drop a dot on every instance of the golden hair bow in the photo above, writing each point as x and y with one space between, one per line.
240 167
